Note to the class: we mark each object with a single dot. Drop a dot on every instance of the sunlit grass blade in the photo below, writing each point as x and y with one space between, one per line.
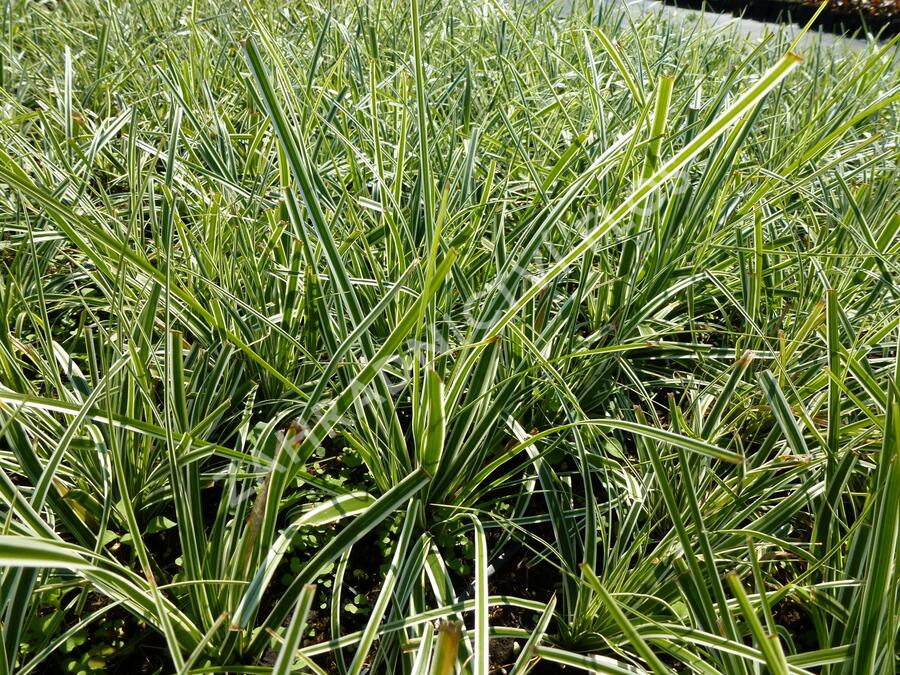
293 635
768 644
640 645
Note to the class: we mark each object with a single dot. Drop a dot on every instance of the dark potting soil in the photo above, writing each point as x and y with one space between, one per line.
879 17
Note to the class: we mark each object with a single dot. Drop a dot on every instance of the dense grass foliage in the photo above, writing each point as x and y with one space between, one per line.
415 337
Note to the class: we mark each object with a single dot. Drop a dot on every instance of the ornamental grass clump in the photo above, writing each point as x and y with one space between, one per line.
434 338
